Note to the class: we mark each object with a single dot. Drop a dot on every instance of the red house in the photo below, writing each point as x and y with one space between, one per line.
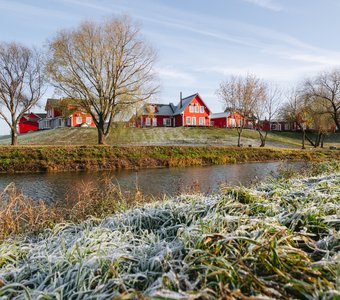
190 111
30 122
65 113
232 119
278 125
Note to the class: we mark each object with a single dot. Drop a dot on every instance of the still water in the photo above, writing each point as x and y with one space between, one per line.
207 179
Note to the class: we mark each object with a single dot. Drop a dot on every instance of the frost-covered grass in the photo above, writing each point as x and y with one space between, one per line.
280 241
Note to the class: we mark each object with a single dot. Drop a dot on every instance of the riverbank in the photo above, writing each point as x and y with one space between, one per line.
79 158
164 136
276 241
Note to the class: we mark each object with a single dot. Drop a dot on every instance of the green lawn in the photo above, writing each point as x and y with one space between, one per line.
162 136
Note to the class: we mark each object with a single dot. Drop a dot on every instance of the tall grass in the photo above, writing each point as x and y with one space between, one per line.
278 241
20 214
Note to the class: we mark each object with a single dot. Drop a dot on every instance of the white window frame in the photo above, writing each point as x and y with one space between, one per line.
188 121
147 122
232 122
154 122
191 108
88 120
193 121
202 121
202 109
79 120
166 122
197 108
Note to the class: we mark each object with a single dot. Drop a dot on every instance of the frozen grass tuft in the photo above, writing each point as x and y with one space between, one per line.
278 241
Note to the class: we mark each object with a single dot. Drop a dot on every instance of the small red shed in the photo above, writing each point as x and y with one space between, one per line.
30 122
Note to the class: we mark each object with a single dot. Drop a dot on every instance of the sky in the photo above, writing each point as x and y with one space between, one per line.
200 43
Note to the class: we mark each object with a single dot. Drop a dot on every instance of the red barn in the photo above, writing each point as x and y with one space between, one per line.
65 113
190 111
230 119
278 125
30 122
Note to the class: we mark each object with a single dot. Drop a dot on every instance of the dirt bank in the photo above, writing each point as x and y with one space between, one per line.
77 158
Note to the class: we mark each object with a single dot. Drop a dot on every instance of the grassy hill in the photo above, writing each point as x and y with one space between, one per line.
161 136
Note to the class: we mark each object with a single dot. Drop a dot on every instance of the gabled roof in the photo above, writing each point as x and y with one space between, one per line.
185 102
160 109
220 115
55 103
169 109
38 115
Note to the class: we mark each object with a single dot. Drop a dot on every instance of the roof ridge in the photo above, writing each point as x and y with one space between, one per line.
190 96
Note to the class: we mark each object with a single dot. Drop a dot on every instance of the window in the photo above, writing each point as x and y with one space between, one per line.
250 125
194 120
202 120
88 120
154 122
202 109
188 122
79 120
166 122
197 108
147 121
232 122
191 108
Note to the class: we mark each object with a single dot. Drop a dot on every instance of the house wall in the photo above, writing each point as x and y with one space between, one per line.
232 121
178 120
82 119
219 122
26 126
141 121
28 123
197 101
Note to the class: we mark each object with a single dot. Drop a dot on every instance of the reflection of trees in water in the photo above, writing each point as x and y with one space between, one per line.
156 182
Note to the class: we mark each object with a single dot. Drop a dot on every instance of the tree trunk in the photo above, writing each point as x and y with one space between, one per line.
263 138
239 132
337 124
322 140
101 135
14 136
303 139
317 140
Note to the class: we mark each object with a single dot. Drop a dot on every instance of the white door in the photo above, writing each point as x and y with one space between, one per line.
154 122
193 121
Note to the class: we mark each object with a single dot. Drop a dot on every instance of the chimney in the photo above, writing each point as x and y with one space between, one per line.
180 97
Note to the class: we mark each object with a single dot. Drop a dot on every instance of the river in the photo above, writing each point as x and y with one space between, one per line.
168 181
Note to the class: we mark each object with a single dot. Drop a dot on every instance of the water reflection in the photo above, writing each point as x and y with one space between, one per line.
54 186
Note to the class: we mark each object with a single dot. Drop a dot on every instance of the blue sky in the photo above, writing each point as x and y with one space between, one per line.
200 42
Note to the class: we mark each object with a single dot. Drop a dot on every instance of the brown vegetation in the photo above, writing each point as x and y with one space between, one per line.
78 158
21 214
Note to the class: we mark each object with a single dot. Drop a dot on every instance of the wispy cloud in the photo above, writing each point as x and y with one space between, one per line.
28 10
268 4
169 72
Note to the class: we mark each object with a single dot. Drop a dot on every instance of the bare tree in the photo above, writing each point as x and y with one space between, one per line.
326 87
21 83
239 94
318 118
298 110
267 108
107 65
